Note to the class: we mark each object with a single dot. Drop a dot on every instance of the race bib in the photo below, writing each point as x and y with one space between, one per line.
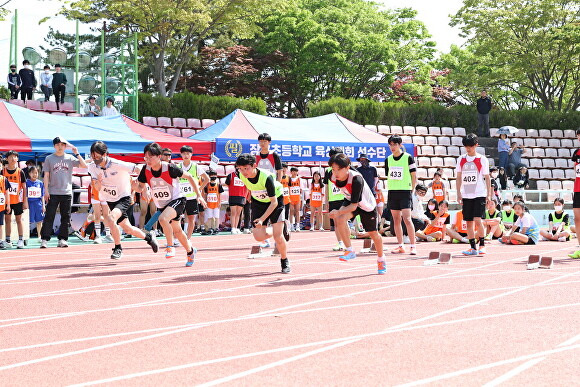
577 167
260 195
336 190
161 193
109 191
212 197
13 190
185 188
464 225
469 178
396 173
316 196
238 182
286 191
2 200
295 190
438 192
34 192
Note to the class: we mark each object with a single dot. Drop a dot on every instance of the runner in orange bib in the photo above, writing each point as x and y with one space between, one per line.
438 188
295 187
316 193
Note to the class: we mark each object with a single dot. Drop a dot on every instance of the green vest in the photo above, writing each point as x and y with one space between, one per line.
508 219
399 178
184 185
258 190
557 220
334 193
488 216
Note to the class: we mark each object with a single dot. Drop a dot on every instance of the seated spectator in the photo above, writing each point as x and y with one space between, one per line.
92 109
515 158
109 109
502 178
522 179
492 221
525 231
438 228
418 217
458 231
558 224
508 215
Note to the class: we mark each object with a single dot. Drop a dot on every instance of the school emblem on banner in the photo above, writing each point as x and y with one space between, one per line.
233 148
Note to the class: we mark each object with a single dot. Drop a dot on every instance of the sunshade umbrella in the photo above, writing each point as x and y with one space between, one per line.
509 130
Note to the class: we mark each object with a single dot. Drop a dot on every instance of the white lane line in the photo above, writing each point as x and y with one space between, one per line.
514 372
570 341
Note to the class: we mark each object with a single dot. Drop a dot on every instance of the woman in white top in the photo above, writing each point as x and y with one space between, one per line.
109 109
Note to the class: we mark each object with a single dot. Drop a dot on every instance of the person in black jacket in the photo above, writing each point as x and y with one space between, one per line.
58 85
28 80
14 82
483 109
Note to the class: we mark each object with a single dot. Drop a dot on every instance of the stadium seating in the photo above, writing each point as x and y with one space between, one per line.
179 123
150 121
206 123
34 105
164 122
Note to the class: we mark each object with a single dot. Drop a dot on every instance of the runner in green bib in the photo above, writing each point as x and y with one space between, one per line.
267 205
333 199
191 206
558 224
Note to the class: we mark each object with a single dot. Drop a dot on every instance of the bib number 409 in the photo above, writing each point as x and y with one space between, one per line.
161 194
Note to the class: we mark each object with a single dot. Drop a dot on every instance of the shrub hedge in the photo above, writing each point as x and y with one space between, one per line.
370 112
190 105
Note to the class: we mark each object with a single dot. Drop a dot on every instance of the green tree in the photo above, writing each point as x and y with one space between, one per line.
346 48
3 10
173 30
528 51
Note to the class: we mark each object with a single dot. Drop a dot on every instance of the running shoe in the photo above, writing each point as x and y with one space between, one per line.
382 266
265 244
413 251
562 239
20 244
482 251
431 239
470 252
2 245
176 243
406 239
338 247
285 265
285 231
347 256
455 241
108 239
117 253
398 250
247 231
312 229
97 241
575 255
78 235
321 229
169 252
297 229
62 243
151 241
43 244
191 258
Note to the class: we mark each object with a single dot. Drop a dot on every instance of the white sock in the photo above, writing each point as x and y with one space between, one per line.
349 249
382 259
107 231
412 246
97 230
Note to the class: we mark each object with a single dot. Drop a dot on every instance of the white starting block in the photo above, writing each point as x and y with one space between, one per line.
258 252
537 261
368 247
436 258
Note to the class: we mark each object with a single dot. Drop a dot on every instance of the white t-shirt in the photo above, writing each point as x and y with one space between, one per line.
112 111
115 179
473 170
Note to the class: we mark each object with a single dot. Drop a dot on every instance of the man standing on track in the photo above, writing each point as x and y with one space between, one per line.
576 159
163 178
401 179
112 178
473 186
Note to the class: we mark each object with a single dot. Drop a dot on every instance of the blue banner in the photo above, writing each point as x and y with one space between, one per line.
228 149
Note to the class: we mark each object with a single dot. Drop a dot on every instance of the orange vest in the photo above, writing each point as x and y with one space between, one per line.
460 224
285 185
295 190
380 196
213 196
440 224
316 195
94 192
16 191
437 188
2 191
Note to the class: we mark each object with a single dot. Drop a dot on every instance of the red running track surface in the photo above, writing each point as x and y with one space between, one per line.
73 316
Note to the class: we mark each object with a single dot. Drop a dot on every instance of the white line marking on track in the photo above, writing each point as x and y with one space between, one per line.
508 375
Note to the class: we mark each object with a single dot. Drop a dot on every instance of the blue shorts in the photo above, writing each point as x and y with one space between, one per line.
35 211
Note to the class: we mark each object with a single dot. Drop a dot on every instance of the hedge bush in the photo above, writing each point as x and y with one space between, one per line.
190 105
370 112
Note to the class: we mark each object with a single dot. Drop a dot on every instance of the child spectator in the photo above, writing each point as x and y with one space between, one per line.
432 205
521 179
18 197
518 198
226 219
458 231
14 82
306 222
495 186
36 204
438 227
528 233
46 83
502 178
558 224
492 221
213 198
508 215
295 199
316 200
4 203
439 191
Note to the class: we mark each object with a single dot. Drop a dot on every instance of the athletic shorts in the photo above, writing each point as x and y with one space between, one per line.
399 200
191 207
2 217
367 218
259 208
97 201
576 200
17 209
473 208
334 205
463 234
35 213
239 201
212 213
123 204
287 211
178 205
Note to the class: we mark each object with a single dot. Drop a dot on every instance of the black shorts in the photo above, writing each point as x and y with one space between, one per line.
16 209
473 208
287 210
2 217
239 201
576 200
463 234
367 218
399 200
191 207
123 204
259 208
178 205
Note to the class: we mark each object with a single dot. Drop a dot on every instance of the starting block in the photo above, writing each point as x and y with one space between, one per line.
445 258
433 259
368 247
546 263
533 261
258 252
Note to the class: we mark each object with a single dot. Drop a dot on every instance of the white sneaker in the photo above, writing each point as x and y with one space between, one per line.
108 239
247 231
562 239
176 243
20 244
234 231
413 251
406 240
2 245
97 241
312 229
321 229
297 228
62 243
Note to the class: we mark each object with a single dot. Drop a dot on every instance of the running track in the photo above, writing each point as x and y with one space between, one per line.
75 317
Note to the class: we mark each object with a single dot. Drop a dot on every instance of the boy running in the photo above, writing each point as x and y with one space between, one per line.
191 206
473 186
267 205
